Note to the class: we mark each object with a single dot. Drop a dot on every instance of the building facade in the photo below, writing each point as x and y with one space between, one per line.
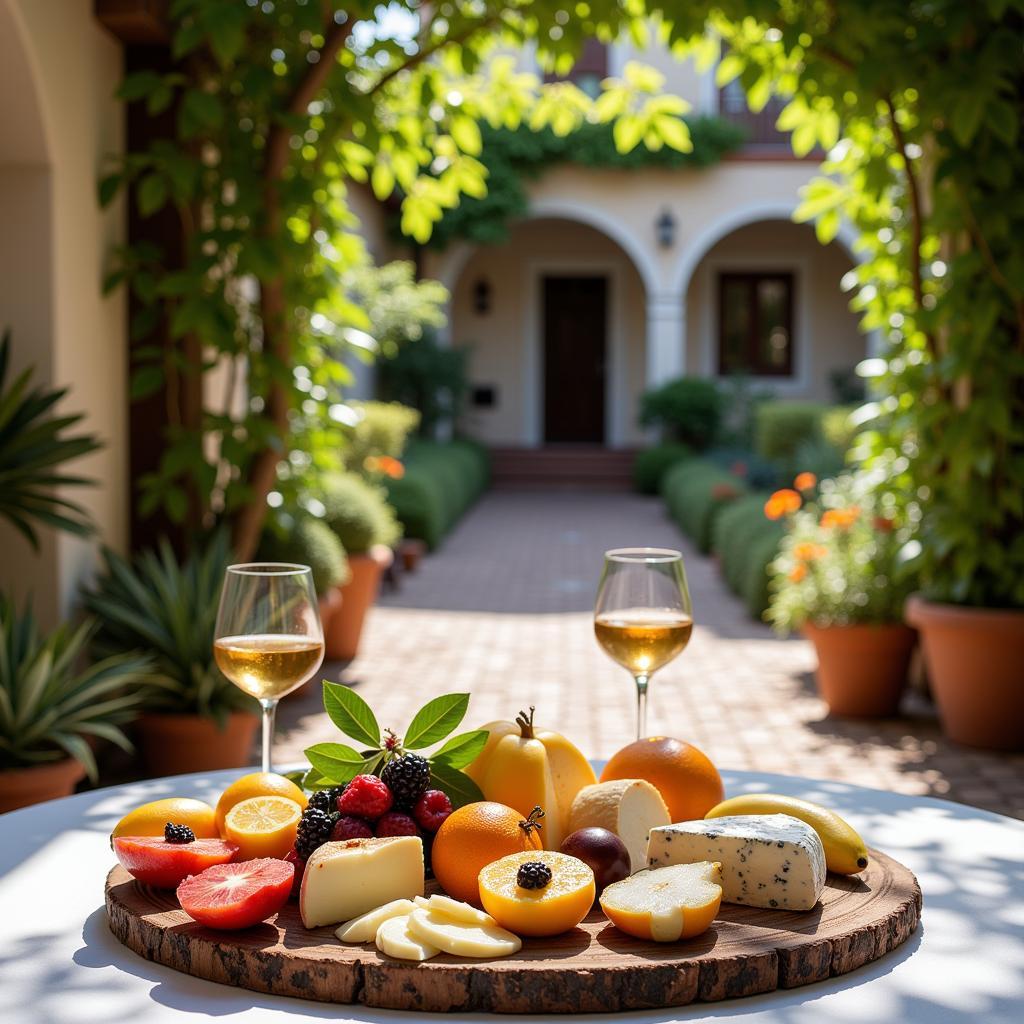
619 280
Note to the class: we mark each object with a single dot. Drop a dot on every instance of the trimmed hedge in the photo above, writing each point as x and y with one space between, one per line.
781 427
651 464
746 542
359 513
307 541
441 481
695 491
688 409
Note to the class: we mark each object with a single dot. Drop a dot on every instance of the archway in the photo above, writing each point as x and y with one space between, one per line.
764 301
554 322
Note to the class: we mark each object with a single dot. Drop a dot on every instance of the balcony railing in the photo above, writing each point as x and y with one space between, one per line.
762 135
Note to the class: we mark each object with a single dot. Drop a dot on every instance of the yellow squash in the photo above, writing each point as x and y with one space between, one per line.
523 766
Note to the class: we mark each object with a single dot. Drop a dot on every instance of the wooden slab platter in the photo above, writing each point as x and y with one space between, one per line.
591 969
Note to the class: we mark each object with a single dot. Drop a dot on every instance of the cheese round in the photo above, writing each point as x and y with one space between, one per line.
628 807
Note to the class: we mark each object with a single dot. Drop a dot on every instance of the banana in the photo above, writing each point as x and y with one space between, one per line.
845 852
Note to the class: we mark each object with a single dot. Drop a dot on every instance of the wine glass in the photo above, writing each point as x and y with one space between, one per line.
268 638
643 616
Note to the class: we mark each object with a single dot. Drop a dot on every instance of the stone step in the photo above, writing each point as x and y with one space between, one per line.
563 466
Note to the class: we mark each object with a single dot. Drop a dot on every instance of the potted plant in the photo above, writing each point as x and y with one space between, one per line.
194 718
52 707
364 522
838 579
310 541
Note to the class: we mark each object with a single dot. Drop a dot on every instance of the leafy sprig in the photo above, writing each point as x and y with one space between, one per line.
332 764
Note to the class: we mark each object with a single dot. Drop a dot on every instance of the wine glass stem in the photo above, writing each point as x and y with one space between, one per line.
641 705
269 705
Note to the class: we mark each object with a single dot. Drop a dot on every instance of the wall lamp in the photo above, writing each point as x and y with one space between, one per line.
665 229
482 296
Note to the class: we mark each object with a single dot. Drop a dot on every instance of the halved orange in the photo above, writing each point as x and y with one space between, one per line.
263 826
551 910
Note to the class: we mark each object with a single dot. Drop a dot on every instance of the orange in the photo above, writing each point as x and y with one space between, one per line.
557 907
473 837
257 784
150 819
687 780
263 826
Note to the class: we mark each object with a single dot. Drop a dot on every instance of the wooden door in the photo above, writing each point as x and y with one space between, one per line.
575 342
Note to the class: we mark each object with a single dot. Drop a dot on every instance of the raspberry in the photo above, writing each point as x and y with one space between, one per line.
349 827
300 866
431 809
394 823
366 797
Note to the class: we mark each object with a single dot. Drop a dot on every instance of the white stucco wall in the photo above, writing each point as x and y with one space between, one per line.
59 118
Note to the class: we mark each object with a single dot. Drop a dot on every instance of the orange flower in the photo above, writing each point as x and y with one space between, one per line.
884 524
782 503
808 552
843 518
805 481
384 464
724 492
798 572
739 469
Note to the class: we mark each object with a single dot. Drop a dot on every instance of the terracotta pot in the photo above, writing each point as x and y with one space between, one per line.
975 661
862 669
20 787
330 605
411 551
176 744
342 642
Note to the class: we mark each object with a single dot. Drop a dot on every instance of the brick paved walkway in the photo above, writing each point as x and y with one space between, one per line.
504 611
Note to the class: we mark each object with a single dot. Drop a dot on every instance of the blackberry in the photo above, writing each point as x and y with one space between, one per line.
178 833
407 777
315 827
326 800
534 874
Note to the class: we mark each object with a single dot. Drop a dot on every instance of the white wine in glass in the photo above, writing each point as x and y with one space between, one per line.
643 616
268 636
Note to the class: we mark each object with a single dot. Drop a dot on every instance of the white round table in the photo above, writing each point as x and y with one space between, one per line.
59 964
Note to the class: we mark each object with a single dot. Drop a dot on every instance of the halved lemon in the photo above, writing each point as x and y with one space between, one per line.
263 826
666 904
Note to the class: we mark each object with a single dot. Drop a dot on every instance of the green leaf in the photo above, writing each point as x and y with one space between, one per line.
461 789
152 194
463 749
335 762
351 714
967 113
108 188
435 720
200 112
146 381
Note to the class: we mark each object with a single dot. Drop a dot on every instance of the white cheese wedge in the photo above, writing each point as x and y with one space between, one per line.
364 928
394 938
768 860
345 880
462 939
455 909
628 807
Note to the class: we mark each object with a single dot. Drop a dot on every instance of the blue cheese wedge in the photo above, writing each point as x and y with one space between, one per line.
774 861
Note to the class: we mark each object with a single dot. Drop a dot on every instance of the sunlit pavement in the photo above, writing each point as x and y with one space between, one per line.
503 611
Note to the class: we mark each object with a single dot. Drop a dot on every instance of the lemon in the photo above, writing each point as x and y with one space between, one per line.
263 826
256 784
150 819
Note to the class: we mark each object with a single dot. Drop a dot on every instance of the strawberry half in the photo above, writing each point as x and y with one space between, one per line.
230 896
153 860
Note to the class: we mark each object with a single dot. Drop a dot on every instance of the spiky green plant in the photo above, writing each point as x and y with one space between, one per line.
168 610
49 703
33 444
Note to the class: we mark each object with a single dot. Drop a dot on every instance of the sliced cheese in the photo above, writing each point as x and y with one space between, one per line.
455 909
628 807
462 939
394 938
364 928
768 860
345 880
